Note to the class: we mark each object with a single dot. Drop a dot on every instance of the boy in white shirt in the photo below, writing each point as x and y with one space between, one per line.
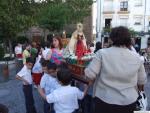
25 76
49 83
66 97
18 57
18 51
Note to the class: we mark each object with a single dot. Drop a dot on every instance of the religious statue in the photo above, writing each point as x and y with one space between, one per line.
77 45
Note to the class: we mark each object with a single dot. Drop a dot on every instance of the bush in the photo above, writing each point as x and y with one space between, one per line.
21 39
2 53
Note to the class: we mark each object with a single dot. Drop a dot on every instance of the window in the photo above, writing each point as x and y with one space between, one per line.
138 2
108 23
124 6
124 22
138 21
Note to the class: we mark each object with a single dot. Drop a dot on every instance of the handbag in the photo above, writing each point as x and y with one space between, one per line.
142 103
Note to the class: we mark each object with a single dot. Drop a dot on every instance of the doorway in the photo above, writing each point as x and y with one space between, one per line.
108 23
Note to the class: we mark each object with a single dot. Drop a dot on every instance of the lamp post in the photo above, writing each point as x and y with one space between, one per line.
98 25
145 15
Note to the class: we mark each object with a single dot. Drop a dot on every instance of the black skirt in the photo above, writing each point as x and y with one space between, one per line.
102 107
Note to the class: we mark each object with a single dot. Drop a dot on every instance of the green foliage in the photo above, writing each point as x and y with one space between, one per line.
106 30
15 16
2 53
21 39
56 14
133 33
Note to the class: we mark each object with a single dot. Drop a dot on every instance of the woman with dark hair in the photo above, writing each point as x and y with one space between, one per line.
117 72
55 54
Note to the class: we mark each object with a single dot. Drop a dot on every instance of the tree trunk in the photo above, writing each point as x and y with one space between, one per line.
45 35
10 48
5 46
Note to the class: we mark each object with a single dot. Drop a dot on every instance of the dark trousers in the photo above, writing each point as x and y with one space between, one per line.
3 109
102 107
87 104
29 101
48 108
76 111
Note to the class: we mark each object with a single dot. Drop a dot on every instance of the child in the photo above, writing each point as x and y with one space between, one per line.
26 53
25 76
49 83
66 97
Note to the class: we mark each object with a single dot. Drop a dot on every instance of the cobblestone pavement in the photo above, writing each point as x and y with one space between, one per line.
11 94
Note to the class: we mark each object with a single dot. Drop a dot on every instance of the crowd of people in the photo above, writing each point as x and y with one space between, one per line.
114 77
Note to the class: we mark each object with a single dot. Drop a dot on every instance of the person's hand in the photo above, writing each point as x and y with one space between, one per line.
39 88
26 82
41 92
141 87
91 82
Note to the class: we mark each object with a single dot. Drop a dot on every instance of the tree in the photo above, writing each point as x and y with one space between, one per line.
55 14
15 16
133 33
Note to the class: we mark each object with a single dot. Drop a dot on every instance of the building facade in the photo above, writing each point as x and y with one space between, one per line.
134 14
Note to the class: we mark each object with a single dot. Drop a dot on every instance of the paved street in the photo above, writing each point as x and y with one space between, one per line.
11 94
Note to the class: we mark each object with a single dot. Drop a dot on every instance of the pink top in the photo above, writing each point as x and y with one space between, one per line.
56 57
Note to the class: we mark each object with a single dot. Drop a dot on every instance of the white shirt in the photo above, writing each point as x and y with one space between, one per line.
26 74
37 68
18 50
49 83
133 49
142 59
65 99
45 52
117 72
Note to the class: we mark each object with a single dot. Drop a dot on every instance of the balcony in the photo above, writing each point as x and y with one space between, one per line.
123 12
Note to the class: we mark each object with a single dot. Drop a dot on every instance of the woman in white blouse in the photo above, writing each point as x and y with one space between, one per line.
117 72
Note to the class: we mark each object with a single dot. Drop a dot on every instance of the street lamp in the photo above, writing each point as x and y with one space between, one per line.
145 15
98 30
